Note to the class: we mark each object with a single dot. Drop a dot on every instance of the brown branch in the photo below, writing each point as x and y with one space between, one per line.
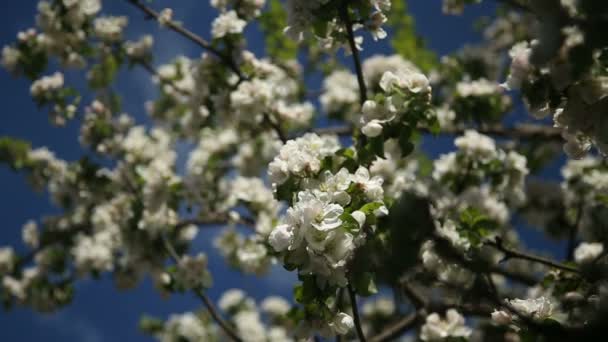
414 295
515 4
203 297
521 132
398 328
189 35
514 254
343 11
215 220
353 304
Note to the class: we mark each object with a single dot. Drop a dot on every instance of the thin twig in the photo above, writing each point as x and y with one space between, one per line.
276 127
398 328
515 4
573 232
353 304
202 296
522 131
514 254
189 35
355 51
414 295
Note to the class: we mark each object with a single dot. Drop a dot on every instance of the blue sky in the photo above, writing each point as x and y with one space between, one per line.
100 312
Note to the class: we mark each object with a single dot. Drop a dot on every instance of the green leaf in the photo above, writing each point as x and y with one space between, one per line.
349 223
14 152
272 22
404 39
369 208
103 74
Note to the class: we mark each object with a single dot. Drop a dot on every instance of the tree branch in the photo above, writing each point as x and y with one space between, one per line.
190 35
353 47
203 297
398 328
514 254
522 131
353 304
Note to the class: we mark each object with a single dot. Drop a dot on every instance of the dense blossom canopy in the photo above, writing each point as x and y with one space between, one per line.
354 207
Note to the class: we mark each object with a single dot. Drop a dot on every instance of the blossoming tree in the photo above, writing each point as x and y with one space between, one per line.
354 207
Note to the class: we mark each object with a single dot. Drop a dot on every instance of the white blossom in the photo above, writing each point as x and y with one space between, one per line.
539 308
227 23
437 329
587 252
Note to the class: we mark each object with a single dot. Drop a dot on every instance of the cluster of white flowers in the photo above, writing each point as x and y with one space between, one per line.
271 92
399 174
227 23
312 238
450 273
466 173
436 329
375 66
398 88
110 29
312 235
10 58
191 272
53 173
381 306
301 157
580 118
249 325
103 132
43 87
585 182
152 157
185 327
30 234
481 87
340 93
7 260
302 16
139 49
539 308
165 16
587 252
245 8
520 65
248 254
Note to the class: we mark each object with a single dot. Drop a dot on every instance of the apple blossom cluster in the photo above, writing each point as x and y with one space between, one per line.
403 92
340 96
247 9
456 7
227 23
267 323
539 308
270 94
481 176
480 96
140 49
187 326
437 329
558 72
584 187
326 19
321 230
301 158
